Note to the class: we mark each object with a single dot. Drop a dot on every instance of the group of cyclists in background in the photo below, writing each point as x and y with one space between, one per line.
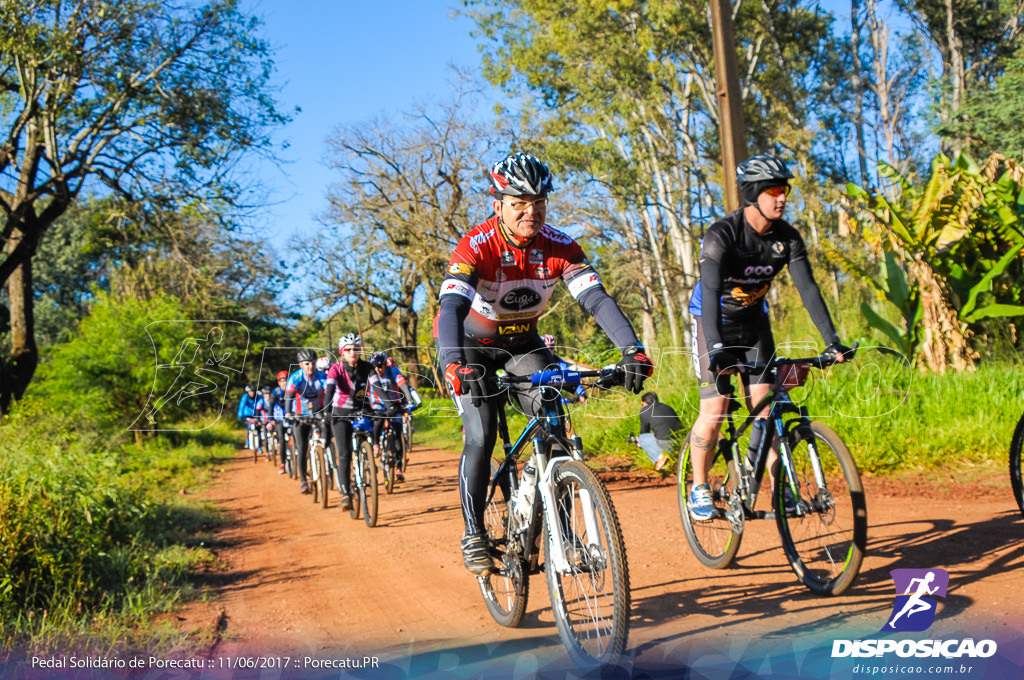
337 394
497 284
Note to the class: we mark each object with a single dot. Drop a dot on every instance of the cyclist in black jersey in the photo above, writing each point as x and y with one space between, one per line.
741 255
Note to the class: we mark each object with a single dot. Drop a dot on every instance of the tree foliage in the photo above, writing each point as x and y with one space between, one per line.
151 100
403 199
952 254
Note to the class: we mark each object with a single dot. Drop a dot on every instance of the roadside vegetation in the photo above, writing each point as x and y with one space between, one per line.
126 249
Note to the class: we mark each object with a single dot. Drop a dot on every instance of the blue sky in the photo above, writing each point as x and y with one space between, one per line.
344 62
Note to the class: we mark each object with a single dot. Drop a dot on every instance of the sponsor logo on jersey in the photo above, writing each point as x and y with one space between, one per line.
475 241
766 270
521 298
501 276
507 259
778 247
542 272
555 235
461 268
536 256
583 283
452 287
513 329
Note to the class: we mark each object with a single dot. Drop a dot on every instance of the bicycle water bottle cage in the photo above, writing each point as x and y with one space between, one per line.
362 423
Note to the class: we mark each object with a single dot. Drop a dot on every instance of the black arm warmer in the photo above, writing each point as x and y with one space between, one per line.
450 329
609 317
711 301
810 294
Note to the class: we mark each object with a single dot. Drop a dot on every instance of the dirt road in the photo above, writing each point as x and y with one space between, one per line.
317 589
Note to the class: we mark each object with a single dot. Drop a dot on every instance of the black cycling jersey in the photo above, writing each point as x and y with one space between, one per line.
737 267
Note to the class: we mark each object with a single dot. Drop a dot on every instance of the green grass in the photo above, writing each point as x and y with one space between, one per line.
894 418
95 536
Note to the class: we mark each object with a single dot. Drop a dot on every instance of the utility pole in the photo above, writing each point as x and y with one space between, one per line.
730 109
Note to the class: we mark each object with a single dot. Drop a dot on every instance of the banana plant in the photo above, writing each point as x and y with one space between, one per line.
962 233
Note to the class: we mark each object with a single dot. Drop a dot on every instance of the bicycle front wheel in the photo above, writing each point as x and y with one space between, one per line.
368 492
357 480
314 474
406 440
325 477
387 459
824 532
714 542
506 592
590 599
1016 444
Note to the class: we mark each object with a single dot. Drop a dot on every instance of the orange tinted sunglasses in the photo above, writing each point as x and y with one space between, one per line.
775 192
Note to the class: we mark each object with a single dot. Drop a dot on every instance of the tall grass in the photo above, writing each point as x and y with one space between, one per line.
893 417
94 535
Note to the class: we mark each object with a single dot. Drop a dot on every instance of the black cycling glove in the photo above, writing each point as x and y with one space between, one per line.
635 367
722 360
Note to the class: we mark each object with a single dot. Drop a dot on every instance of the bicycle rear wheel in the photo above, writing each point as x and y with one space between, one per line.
714 542
824 535
506 592
325 477
1016 463
368 492
590 600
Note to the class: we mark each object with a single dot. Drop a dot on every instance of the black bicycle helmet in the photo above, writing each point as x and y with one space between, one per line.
266 390
520 174
306 355
250 388
379 360
758 173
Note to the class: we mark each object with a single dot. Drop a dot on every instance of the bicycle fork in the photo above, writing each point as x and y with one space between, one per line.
545 485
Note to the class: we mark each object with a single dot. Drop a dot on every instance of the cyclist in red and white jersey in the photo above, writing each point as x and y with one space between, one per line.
498 282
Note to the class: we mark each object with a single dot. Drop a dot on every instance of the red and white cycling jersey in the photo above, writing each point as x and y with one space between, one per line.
510 287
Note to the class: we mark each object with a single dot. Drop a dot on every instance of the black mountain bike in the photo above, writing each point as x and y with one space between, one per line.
1017 464
363 473
817 501
559 502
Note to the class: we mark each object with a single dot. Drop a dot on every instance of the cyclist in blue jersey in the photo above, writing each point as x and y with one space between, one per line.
247 409
304 395
386 390
741 254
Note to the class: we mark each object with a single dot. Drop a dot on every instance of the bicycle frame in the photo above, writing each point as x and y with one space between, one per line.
541 433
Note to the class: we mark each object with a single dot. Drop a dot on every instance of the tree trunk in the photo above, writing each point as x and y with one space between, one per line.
24 353
944 343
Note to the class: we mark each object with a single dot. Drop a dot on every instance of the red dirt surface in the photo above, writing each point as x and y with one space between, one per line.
307 586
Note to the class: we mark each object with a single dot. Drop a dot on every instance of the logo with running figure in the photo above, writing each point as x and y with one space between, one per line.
914 609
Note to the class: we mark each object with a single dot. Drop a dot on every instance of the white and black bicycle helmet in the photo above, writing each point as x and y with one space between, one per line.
520 174
758 173
349 340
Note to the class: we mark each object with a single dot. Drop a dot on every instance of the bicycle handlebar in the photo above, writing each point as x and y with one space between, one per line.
561 378
821 361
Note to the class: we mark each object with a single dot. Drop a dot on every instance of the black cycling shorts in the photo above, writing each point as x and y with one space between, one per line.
750 340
